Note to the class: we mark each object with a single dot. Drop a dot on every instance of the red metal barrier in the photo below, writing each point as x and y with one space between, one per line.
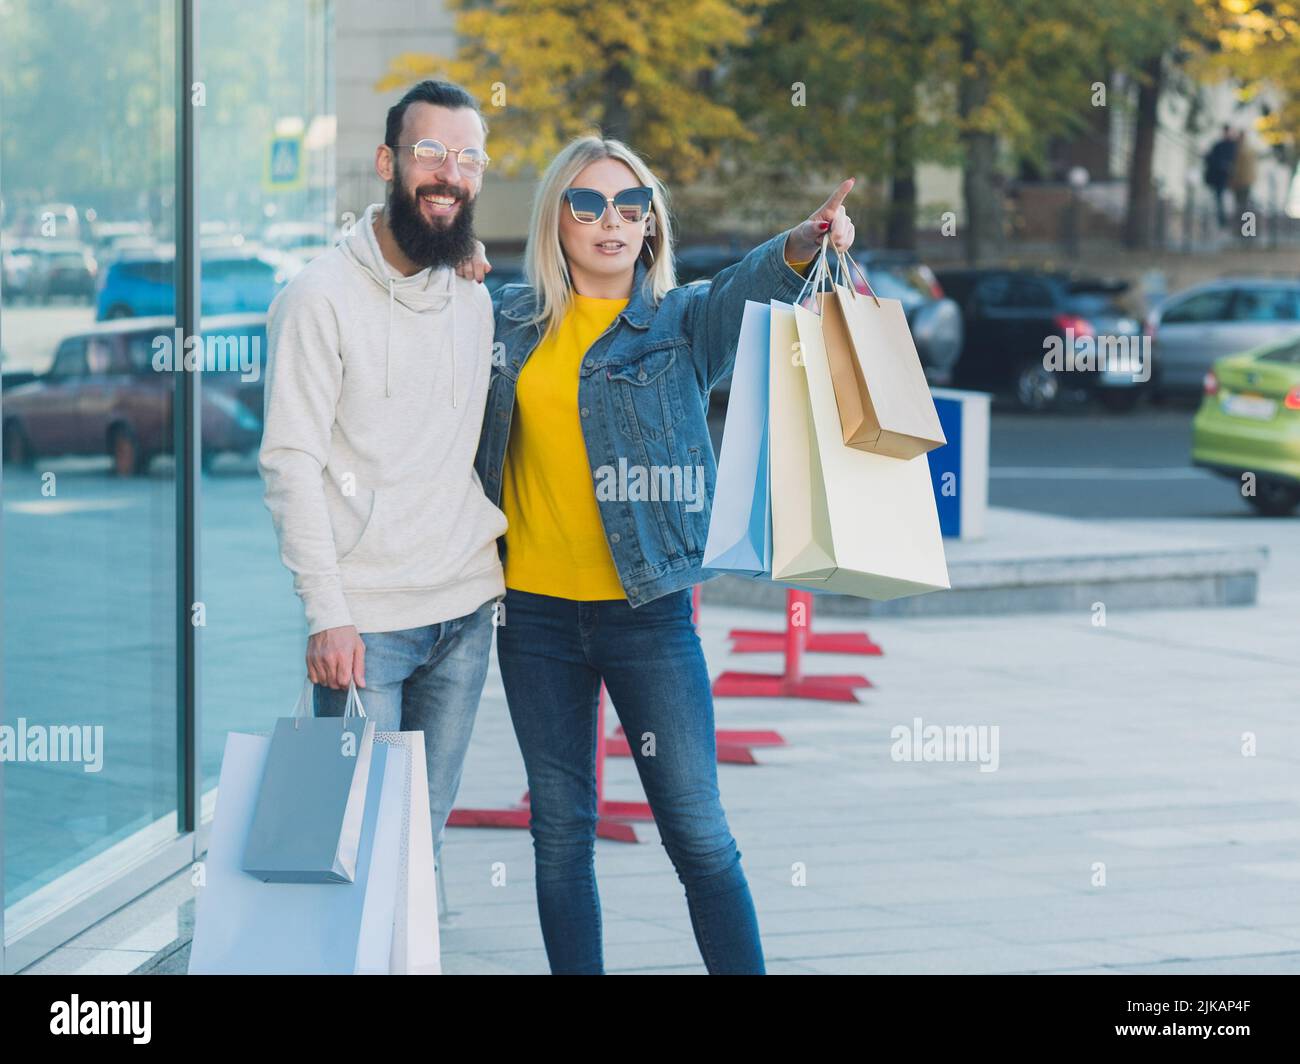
760 641
610 814
791 682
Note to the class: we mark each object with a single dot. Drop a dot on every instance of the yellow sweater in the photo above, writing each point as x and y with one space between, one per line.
555 543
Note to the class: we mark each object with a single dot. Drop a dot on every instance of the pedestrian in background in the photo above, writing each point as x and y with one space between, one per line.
1243 175
1218 170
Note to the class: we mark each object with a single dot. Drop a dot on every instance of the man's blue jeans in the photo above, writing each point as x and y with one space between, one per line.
426 679
553 654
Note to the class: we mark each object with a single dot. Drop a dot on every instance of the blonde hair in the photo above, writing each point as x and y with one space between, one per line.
545 267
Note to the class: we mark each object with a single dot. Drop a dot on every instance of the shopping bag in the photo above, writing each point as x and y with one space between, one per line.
415 946
801 527
307 822
843 520
881 393
243 925
740 523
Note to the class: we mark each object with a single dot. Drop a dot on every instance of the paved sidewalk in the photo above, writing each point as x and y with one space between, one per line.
1119 746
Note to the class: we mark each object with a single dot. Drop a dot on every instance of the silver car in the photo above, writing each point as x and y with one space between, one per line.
1193 328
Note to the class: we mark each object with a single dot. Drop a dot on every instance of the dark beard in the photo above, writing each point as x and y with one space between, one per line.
430 243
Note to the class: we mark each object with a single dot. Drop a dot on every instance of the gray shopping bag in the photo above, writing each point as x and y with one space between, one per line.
307 821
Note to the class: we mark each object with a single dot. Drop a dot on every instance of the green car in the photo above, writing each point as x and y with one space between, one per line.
1249 422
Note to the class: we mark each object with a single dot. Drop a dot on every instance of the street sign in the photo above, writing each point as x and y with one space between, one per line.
284 164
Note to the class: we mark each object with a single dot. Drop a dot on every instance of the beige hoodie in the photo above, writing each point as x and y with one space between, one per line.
375 390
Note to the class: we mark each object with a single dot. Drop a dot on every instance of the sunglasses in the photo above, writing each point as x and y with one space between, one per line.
431 154
588 206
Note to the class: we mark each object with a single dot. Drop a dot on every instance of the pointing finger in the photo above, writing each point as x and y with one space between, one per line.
837 198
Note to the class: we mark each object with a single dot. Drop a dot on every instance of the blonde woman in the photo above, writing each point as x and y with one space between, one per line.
596 447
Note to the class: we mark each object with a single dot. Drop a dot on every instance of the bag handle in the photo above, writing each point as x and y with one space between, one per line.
845 261
353 707
818 272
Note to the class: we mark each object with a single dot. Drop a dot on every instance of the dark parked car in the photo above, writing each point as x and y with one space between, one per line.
109 391
234 281
934 320
1011 316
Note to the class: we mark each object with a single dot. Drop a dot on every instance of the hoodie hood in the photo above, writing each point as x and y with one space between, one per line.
428 292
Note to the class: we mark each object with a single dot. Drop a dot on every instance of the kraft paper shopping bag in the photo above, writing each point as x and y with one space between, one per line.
881 393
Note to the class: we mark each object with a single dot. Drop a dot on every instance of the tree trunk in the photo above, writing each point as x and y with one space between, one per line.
980 150
1141 190
617 120
901 224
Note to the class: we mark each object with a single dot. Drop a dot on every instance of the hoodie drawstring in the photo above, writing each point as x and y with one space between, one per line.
388 346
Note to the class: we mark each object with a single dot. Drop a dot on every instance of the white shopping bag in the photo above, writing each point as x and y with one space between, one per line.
243 925
415 946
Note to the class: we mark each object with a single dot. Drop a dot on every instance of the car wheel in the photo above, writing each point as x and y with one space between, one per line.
118 310
1037 387
1120 401
17 448
124 449
1273 498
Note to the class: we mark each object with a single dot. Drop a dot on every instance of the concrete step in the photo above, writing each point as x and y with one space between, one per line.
1037 563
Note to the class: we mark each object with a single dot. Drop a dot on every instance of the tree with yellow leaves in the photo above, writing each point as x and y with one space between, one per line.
1258 44
549 70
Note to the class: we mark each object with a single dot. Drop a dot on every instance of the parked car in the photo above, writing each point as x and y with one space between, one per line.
234 280
103 395
934 320
1191 329
17 267
11 378
1249 422
63 269
40 270
1010 317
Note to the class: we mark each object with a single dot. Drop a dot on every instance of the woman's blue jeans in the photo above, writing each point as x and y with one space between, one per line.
553 654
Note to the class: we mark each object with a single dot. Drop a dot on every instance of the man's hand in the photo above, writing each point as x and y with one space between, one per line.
477 267
336 657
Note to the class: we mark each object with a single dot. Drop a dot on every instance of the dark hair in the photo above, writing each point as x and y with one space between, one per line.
438 93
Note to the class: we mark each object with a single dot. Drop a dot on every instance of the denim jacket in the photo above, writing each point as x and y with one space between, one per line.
643 398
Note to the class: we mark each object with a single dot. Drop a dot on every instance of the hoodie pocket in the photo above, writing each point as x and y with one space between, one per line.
368 534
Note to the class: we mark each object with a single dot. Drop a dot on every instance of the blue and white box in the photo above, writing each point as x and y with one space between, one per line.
960 468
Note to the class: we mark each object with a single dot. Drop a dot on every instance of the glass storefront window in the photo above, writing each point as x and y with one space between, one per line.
87 170
266 141
91 499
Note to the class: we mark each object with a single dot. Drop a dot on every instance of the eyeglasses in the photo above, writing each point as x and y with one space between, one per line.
431 154
588 206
